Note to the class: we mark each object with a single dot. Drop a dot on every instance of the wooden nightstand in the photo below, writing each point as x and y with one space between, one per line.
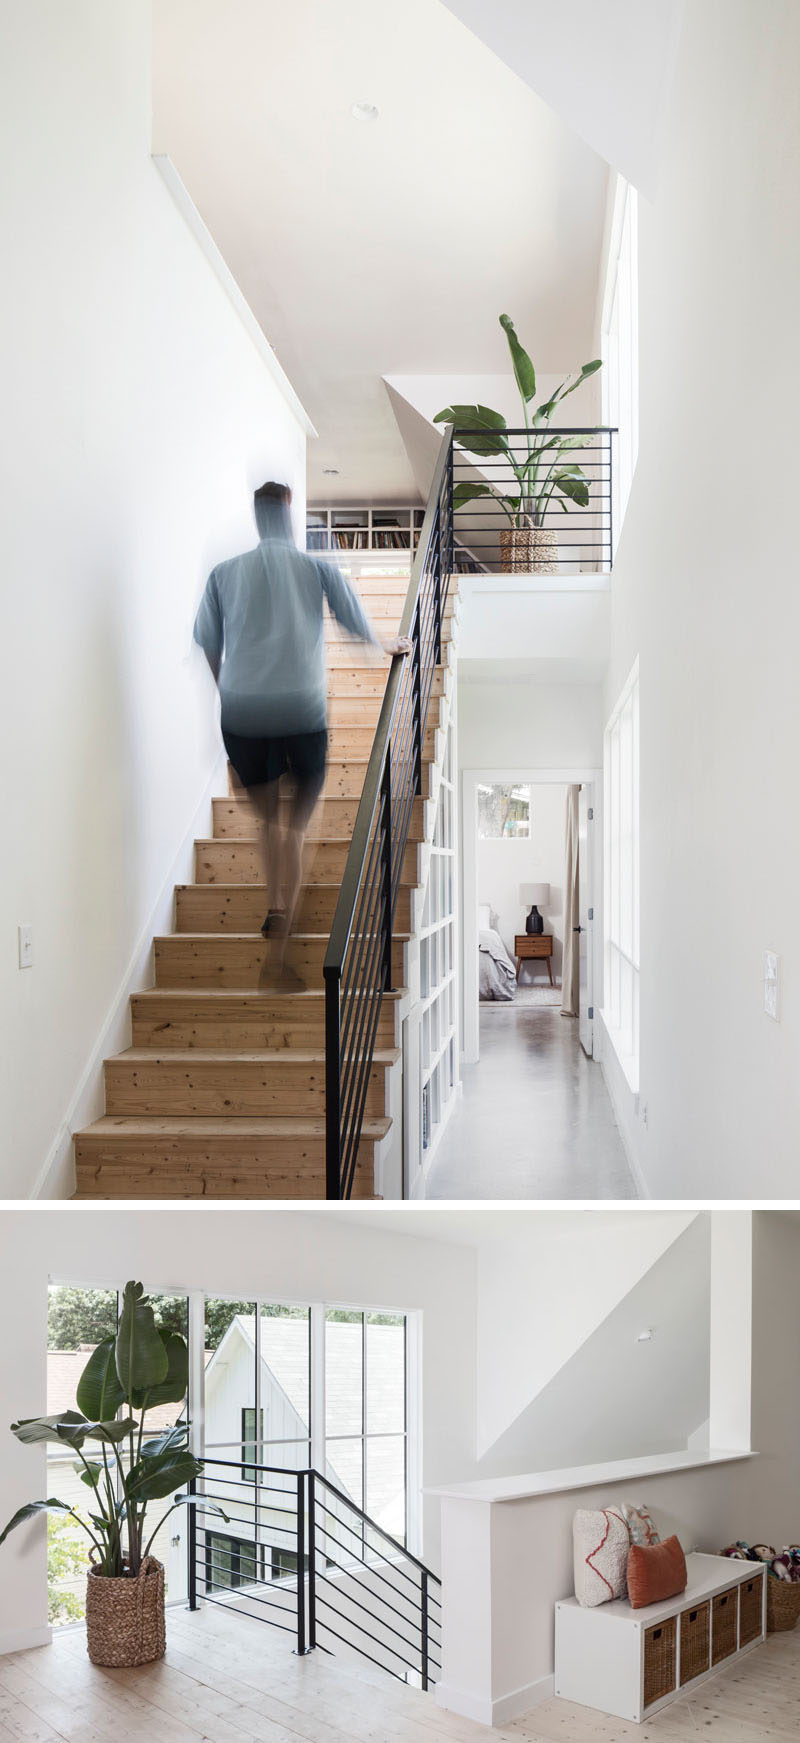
533 946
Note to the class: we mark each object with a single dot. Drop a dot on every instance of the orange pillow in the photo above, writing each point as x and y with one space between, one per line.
655 1571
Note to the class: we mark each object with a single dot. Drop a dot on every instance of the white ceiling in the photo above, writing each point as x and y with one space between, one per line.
385 248
607 68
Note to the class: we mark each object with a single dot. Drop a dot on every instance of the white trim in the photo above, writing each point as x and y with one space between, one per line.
499 1711
21 1639
205 241
470 778
56 1178
494 1490
623 1102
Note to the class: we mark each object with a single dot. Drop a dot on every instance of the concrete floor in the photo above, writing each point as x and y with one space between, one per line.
534 1119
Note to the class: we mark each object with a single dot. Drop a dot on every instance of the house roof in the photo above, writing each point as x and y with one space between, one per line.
284 1357
64 1369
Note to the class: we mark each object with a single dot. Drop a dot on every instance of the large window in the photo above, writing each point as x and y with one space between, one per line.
620 346
621 787
365 1413
504 811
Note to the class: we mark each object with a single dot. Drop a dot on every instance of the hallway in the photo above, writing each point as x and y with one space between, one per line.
534 1119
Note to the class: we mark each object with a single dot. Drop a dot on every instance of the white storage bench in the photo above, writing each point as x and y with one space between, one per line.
630 1663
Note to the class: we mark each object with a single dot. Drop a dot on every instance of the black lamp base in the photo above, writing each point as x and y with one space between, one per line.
534 922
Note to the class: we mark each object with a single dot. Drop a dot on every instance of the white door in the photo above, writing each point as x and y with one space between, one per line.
586 916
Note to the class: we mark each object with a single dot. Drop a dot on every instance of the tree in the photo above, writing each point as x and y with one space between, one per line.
66 1558
80 1316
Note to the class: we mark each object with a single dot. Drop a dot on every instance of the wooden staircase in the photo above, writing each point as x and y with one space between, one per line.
222 1091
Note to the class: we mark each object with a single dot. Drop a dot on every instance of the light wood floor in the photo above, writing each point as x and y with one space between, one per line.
227 1679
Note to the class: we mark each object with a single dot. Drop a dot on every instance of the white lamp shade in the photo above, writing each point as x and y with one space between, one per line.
534 895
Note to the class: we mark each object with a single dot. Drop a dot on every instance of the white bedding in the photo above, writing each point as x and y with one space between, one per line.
497 974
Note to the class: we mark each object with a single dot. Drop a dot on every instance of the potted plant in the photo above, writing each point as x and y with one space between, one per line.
123 1470
542 476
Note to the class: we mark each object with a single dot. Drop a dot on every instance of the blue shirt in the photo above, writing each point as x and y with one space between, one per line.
261 625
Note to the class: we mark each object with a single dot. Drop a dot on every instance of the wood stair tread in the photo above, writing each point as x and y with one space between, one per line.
227 937
191 994
242 1056
234 1125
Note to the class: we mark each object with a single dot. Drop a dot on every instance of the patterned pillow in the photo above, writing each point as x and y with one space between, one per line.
601 1543
640 1525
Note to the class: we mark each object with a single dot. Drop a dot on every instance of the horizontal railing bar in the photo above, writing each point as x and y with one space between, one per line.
205 1599
376 1599
245 1590
337 1636
253 1464
352 1622
398 1547
374 1570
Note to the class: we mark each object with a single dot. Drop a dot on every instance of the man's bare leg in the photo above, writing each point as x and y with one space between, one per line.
265 802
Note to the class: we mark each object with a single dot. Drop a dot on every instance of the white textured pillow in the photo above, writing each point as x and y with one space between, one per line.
484 917
601 1542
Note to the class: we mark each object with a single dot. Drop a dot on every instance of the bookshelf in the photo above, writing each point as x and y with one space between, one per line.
390 529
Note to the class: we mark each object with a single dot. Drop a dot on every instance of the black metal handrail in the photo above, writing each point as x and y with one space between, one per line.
523 520
292 1553
358 961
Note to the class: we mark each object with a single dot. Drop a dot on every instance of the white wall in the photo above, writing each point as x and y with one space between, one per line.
504 865
291 1256
544 1290
139 418
704 591
529 724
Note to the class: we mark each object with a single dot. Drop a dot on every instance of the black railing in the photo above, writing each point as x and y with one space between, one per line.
297 1553
535 501
358 965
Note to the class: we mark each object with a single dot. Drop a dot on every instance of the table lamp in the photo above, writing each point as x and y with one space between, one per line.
538 895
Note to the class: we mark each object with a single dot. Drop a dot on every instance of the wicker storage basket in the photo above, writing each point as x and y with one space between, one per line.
724 1625
125 1617
783 1604
695 1643
660 1661
528 551
751 1609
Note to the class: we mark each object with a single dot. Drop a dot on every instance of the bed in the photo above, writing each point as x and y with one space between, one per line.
497 973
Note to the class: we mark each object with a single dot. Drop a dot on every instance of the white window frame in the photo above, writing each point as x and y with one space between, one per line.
619 347
621 883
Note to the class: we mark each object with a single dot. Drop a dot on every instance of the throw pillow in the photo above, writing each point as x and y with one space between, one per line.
640 1524
655 1571
601 1542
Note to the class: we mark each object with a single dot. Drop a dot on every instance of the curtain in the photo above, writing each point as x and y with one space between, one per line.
570 969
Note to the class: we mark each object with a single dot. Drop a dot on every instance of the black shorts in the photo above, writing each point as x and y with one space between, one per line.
260 762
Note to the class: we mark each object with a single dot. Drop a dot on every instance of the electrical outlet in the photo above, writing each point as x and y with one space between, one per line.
772 983
25 946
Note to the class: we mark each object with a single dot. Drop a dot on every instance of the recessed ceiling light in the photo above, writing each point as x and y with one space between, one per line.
645 1337
364 112
330 471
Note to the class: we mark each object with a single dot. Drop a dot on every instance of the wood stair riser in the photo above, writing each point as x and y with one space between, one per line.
165 1085
242 907
367 681
247 1021
217 960
235 819
218 1168
233 861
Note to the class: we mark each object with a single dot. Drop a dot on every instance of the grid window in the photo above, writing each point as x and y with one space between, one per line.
365 1413
621 762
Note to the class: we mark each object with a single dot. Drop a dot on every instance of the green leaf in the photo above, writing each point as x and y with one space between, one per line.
544 412
466 492
524 371
69 1428
99 1392
30 1511
152 1479
574 485
172 1437
172 1389
90 1473
142 1359
486 427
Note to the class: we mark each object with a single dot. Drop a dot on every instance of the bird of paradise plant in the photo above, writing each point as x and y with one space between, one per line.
537 465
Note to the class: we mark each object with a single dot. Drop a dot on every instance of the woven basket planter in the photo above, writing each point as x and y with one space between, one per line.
528 551
783 1604
125 1617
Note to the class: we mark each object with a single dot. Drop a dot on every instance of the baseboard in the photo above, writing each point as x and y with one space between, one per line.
57 1176
499 1711
21 1639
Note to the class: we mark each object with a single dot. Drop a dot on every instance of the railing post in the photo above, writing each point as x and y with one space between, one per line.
417 679
312 1564
450 527
438 570
333 1085
300 1554
424 1628
191 1572
386 905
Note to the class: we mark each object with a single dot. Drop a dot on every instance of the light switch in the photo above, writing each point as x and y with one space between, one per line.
25 944
772 983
